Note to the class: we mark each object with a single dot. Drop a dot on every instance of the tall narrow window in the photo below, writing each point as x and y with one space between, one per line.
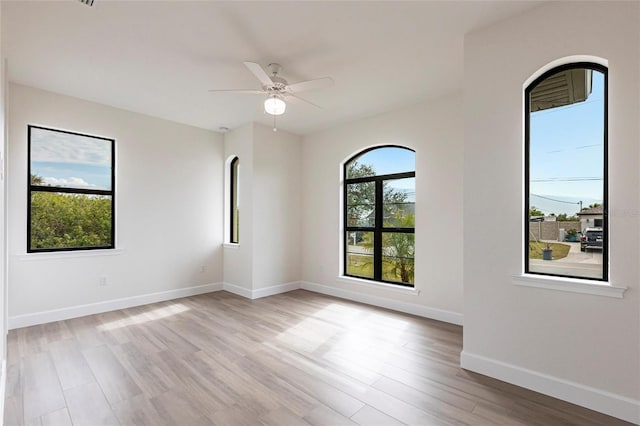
566 232
234 173
71 196
379 215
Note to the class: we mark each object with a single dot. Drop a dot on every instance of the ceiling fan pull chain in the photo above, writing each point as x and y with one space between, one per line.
274 123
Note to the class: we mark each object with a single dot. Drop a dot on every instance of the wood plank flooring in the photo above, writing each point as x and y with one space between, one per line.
298 358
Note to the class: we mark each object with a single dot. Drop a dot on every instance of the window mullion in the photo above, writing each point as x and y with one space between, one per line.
377 236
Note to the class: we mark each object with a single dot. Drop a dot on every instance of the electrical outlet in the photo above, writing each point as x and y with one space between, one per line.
103 280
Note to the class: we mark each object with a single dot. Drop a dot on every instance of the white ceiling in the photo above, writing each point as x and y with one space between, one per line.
160 57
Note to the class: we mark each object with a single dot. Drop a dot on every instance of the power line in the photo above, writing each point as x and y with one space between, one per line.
567 179
559 201
574 147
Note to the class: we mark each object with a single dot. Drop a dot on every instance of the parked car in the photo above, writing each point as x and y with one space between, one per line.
592 238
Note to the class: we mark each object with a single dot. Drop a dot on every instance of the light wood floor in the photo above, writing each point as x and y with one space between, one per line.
295 358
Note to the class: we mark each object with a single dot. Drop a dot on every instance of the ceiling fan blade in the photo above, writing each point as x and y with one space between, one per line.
303 86
259 73
243 91
298 99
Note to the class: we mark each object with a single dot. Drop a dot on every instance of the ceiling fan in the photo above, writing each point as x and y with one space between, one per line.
277 88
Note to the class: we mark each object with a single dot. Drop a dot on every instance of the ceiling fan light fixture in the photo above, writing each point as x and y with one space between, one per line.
275 105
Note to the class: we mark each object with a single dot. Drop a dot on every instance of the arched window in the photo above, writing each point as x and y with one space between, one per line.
379 215
234 174
566 232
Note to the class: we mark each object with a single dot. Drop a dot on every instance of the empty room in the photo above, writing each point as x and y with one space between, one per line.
319 213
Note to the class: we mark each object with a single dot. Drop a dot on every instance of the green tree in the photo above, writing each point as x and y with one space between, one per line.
398 248
562 217
37 180
594 205
360 196
60 220
533 211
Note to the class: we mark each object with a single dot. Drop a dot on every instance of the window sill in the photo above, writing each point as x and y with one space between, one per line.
572 285
69 254
376 284
232 246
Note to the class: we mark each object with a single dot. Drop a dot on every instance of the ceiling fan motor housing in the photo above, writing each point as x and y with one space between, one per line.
279 85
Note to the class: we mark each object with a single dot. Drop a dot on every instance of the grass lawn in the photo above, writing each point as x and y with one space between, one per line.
362 266
559 250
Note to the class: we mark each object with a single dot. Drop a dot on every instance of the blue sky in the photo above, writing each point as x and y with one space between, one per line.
68 160
390 160
566 154
393 160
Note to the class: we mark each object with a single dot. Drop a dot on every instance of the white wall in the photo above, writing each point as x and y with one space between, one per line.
168 207
3 216
276 217
268 254
583 345
434 130
238 258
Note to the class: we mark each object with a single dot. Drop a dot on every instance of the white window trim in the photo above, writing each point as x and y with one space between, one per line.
69 254
233 246
377 284
572 285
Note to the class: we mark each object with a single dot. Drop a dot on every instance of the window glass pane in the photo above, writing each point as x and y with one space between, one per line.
382 161
235 201
397 257
69 160
359 254
566 174
399 203
60 220
361 198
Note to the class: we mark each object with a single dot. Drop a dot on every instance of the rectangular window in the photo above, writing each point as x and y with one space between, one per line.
566 231
71 200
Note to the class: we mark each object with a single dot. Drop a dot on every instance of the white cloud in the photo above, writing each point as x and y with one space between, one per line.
72 182
57 147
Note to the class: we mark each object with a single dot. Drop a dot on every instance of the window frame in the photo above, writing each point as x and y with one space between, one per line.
234 229
378 229
31 188
527 168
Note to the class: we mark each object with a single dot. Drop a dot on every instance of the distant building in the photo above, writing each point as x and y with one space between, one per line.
591 218
549 218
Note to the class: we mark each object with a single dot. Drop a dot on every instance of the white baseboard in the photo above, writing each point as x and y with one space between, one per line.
27 320
595 399
409 308
36 318
275 289
3 387
235 289
261 292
